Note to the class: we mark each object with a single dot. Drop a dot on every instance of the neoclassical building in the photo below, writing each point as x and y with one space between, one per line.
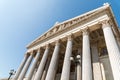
86 47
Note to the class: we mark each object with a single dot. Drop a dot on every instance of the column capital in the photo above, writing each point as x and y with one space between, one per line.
47 46
32 52
70 37
57 42
85 31
38 50
105 23
26 54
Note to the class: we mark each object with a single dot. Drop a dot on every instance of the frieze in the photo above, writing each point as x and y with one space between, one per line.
63 26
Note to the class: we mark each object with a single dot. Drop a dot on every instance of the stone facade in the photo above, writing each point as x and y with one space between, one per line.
86 47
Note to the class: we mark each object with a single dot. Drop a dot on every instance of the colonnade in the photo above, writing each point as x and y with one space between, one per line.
86 73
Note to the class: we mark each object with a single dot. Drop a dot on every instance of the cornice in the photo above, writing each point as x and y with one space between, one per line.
68 23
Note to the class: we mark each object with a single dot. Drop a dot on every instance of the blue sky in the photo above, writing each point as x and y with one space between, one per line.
21 21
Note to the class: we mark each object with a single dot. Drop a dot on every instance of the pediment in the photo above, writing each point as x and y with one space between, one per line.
69 23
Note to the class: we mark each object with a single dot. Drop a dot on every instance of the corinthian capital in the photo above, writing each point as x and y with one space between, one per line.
57 42
85 31
27 54
105 23
38 50
31 52
47 45
70 37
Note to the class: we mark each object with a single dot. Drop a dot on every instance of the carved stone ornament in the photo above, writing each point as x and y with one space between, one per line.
85 31
62 26
74 21
31 53
38 50
105 23
48 34
67 24
47 45
27 54
42 37
57 42
54 30
70 37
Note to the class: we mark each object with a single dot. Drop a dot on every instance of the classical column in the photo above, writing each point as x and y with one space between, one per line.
86 57
34 65
53 64
115 33
46 69
97 74
23 73
79 67
40 70
21 67
113 49
78 71
34 73
66 65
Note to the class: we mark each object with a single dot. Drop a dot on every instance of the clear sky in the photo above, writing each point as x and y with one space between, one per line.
21 21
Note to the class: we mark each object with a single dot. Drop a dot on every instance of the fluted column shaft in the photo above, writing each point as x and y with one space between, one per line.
40 70
46 69
79 70
86 58
21 67
79 65
113 49
97 74
23 73
34 65
53 64
66 65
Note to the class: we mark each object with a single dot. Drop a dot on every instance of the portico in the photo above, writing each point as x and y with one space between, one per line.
94 36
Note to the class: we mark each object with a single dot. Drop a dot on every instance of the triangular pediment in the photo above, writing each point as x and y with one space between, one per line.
69 23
